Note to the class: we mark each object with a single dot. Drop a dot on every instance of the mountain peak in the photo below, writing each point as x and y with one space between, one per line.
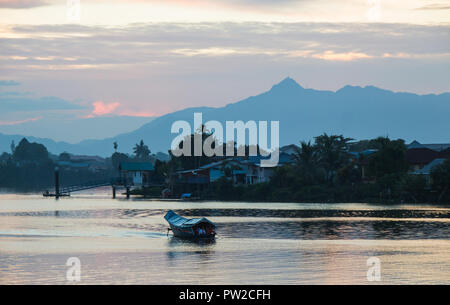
287 83
368 89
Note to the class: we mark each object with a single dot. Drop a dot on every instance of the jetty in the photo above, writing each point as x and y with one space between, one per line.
64 191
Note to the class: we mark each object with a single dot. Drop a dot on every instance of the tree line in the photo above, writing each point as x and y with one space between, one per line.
332 168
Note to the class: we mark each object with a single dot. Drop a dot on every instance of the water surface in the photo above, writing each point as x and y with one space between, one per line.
125 241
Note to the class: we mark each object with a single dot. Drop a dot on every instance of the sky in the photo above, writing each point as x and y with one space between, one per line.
64 61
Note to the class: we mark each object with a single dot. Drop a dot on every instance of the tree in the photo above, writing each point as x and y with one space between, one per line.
440 179
415 187
283 176
64 156
118 158
141 151
5 157
27 151
188 159
13 146
349 174
389 159
307 162
161 171
332 151
115 145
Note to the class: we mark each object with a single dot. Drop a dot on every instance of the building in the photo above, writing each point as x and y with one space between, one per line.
362 159
237 169
136 173
73 165
230 168
426 170
255 173
419 155
435 147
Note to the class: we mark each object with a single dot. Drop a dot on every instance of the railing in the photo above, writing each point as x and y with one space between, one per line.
125 181
83 186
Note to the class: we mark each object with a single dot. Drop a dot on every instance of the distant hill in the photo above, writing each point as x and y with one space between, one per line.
52 146
74 130
357 112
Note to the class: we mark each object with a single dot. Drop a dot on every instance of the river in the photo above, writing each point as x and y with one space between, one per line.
119 241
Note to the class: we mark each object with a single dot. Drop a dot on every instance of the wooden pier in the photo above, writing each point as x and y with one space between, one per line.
66 190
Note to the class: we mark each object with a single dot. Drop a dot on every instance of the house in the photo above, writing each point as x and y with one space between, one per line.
92 163
362 159
137 173
232 169
255 173
426 170
238 169
435 147
73 165
419 155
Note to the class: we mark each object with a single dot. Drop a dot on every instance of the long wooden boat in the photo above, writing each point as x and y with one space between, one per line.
46 194
195 228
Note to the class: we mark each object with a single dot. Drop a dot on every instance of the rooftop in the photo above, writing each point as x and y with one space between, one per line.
426 170
435 147
136 166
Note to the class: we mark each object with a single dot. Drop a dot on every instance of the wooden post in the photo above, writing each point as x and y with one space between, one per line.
114 192
56 182
128 193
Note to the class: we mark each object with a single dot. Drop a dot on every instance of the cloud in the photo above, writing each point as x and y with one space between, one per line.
348 56
158 43
8 83
140 65
434 6
10 123
137 113
20 4
101 108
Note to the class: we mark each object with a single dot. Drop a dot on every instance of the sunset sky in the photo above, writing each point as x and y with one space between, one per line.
148 58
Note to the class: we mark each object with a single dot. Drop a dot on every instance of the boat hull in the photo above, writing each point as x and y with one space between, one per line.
189 233
196 228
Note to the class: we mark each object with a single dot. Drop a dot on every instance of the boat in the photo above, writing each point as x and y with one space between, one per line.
194 228
48 194
189 197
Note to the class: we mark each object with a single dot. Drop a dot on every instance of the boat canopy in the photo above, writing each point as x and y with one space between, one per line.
179 221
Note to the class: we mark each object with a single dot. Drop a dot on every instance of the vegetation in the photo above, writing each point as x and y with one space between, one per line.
440 177
30 167
324 171
330 169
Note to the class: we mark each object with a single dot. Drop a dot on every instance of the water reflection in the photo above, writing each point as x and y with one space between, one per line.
177 242
264 244
276 224
243 212
342 229
182 250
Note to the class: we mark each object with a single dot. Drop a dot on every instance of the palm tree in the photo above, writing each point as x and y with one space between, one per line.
307 161
141 151
332 150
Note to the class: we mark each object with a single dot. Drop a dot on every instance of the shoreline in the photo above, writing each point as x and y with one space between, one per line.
141 198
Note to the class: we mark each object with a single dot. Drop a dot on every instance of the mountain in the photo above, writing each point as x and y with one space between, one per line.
52 146
357 112
62 129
